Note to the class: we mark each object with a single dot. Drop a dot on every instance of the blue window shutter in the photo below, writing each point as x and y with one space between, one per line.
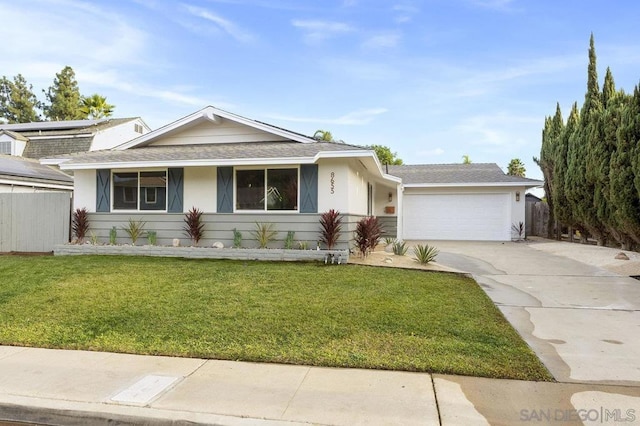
309 188
175 190
225 189
103 190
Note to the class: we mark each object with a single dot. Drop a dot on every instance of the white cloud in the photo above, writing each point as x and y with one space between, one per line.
498 130
404 12
384 40
221 24
500 5
358 117
317 31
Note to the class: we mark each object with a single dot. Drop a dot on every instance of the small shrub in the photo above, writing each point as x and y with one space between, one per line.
237 238
400 248
134 229
80 224
288 242
194 227
303 245
113 234
518 230
389 241
425 253
152 236
331 224
264 234
367 235
93 238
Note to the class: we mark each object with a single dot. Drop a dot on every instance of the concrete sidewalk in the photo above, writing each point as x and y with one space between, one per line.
76 387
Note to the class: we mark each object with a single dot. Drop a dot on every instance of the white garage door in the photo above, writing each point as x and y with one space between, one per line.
482 217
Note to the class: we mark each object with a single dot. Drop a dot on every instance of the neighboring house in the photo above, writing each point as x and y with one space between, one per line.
46 139
240 172
460 202
26 175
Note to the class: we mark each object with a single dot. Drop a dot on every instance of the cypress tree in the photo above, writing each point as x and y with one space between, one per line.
580 183
563 212
545 162
64 97
624 180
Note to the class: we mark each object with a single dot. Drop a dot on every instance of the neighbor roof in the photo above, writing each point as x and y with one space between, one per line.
27 168
221 153
457 174
52 138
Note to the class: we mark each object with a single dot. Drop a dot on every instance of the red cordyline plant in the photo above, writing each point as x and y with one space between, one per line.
367 235
80 224
194 227
331 224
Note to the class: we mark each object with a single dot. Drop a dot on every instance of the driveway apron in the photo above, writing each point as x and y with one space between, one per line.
582 321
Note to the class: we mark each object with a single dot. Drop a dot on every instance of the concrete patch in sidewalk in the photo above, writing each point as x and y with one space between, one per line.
145 390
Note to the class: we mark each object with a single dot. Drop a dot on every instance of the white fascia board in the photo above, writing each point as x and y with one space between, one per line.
473 184
53 161
360 154
210 113
34 184
191 163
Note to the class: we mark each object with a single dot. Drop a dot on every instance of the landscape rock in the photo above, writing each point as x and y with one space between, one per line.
388 260
622 256
389 248
218 245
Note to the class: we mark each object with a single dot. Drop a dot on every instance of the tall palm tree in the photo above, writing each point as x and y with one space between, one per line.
96 107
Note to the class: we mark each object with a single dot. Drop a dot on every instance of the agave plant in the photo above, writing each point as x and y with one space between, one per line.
194 227
80 224
400 248
367 235
264 233
425 253
331 224
134 229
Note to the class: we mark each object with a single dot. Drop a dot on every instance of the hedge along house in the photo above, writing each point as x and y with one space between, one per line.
237 171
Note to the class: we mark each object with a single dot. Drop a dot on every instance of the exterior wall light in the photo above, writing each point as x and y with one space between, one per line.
517 195
390 196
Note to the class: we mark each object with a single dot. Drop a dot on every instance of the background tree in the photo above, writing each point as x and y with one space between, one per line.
18 104
561 209
386 156
323 135
64 100
516 168
96 107
466 159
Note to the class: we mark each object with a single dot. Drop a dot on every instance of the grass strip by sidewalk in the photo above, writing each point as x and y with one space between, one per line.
298 313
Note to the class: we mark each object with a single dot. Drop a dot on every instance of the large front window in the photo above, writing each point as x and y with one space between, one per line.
279 193
140 190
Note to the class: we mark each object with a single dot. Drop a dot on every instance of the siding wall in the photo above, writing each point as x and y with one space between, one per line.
34 222
224 132
219 226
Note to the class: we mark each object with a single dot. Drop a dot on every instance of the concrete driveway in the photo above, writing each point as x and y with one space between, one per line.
581 320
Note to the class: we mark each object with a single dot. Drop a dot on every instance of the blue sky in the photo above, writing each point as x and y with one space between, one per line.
432 79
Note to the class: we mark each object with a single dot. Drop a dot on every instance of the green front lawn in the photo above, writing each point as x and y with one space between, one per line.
299 313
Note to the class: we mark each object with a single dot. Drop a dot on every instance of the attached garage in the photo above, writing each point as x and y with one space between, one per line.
470 216
477 202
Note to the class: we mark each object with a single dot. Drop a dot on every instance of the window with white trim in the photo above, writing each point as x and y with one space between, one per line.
140 190
267 189
5 147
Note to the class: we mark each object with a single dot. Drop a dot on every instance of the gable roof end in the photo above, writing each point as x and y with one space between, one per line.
213 115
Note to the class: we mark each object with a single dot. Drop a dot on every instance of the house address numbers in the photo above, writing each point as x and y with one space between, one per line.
333 182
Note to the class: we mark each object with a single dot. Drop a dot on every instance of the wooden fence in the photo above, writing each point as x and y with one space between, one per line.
536 218
34 222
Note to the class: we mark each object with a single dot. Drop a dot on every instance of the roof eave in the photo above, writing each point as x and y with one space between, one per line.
473 184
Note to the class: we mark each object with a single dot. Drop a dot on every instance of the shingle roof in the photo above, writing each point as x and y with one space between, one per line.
455 174
45 148
226 151
22 167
